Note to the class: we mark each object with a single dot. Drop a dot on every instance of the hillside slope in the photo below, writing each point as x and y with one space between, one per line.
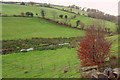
24 28
11 9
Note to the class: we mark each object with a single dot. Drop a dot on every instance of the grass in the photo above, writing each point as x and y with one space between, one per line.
47 58
115 46
24 28
13 28
67 8
11 9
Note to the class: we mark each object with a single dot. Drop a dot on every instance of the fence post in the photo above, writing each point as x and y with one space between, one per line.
15 65
31 66
68 64
23 67
41 66
54 67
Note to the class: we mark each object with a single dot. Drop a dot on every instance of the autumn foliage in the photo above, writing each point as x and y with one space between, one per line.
94 48
22 13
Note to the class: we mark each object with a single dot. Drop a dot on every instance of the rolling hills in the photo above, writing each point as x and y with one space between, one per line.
44 63
11 9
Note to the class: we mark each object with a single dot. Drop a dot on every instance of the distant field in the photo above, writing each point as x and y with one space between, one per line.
62 58
10 10
22 28
67 8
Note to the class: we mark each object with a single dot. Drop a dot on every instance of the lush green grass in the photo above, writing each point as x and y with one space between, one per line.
115 46
11 9
47 58
19 27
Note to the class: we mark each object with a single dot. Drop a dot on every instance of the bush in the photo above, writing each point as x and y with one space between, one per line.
22 3
61 16
18 16
56 21
94 49
43 13
47 18
14 15
5 15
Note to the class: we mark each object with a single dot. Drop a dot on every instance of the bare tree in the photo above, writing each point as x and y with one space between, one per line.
32 3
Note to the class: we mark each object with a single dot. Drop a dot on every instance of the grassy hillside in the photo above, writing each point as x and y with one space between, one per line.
115 46
67 8
10 10
13 64
19 27
45 63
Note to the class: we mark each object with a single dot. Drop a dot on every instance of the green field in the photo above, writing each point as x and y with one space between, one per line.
67 8
13 63
115 45
11 9
24 28
47 58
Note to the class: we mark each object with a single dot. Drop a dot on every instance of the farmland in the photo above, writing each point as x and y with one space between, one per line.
10 10
49 59
24 28
67 8
13 63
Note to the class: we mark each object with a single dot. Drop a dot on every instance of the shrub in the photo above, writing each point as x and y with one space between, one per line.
14 15
22 3
43 13
56 21
69 24
25 71
61 16
19 16
47 18
94 49
66 16
60 22
22 13
5 15
77 22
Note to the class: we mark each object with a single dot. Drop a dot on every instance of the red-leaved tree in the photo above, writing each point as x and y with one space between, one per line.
94 48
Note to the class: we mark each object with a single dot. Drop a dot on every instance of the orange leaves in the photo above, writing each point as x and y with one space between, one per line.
93 47
97 53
